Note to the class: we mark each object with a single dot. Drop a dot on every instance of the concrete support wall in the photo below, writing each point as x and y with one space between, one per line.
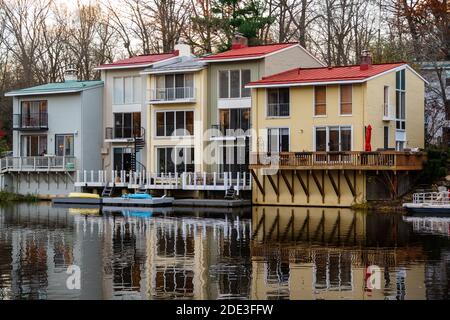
42 185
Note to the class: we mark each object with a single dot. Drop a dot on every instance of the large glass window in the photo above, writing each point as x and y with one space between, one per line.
175 159
320 100
232 83
346 99
400 94
278 139
34 113
234 119
278 102
127 90
174 123
33 145
64 145
127 125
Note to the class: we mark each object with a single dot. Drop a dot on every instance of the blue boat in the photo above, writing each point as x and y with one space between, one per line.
137 196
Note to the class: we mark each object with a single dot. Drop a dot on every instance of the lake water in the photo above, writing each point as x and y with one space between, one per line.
254 253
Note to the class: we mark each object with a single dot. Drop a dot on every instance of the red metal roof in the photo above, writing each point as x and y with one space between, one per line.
249 52
139 61
317 75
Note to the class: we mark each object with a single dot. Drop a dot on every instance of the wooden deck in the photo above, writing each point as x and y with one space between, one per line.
351 160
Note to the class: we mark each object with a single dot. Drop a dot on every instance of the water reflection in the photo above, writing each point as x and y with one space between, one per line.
266 253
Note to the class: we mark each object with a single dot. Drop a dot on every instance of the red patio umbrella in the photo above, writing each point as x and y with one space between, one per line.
368 147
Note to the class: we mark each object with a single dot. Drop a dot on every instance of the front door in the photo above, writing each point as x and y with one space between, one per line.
122 159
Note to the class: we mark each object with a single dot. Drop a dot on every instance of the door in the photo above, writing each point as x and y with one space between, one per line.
386 137
333 143
122 159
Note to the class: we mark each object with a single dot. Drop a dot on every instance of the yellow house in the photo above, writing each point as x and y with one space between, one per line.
336 136
177 106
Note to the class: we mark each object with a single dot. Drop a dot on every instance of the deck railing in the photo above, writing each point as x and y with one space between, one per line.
45 163
172 94
436 198
180 181
346 160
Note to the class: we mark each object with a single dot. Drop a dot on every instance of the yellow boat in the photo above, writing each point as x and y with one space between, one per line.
84 195
85 211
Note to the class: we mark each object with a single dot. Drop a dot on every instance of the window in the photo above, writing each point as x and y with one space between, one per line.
278 102
234 119
400 95
333 138
127 125
127 90
64 145
175 159
232 83
34 113
33 145
346 99
175 86
174 123
386 102
278 139
320 101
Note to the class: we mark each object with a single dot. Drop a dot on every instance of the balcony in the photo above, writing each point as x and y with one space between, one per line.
172 95
31 121
350 160
122 134
222 132
38 164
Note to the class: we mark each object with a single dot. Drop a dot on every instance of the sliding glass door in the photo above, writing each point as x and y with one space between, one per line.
333 138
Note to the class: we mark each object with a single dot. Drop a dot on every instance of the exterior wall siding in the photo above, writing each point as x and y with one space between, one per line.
294 57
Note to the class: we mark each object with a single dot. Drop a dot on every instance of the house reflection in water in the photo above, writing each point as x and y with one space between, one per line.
280 253
316 253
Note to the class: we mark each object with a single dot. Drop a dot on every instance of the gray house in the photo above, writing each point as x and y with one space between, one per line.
56 131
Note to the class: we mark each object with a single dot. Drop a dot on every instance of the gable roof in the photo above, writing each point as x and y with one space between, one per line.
327 75
249 53
55 88
138 61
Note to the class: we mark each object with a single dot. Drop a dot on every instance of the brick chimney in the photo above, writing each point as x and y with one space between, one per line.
239 41
366 60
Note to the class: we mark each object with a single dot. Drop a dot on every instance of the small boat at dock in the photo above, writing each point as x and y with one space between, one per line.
79 198
430 203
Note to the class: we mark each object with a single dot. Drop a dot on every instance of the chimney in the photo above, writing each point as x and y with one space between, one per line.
366 60
70 75
239 41
184 50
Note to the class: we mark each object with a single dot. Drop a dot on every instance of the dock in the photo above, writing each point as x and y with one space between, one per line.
217 203
126 202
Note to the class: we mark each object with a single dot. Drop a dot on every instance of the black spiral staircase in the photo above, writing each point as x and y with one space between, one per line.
139 143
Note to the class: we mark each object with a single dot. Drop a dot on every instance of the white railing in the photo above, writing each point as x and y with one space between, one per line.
172 94
45 163
437 198
278 110
146 180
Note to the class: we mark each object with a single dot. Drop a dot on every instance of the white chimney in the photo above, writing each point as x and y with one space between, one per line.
184 50
70 75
